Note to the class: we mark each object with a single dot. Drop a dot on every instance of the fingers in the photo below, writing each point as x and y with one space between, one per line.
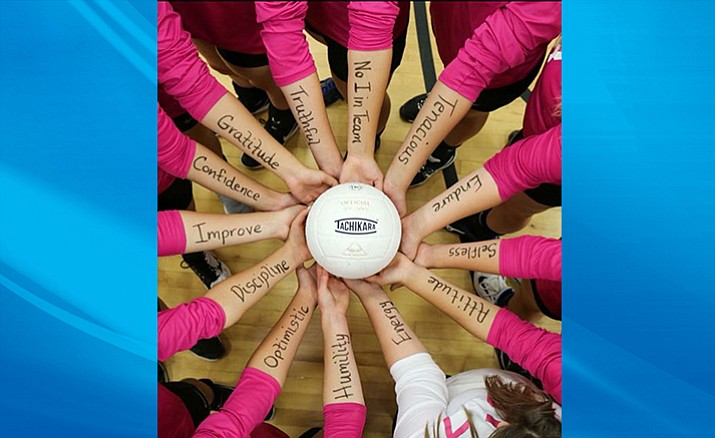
329 180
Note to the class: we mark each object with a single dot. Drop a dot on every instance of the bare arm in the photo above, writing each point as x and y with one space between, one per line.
475 256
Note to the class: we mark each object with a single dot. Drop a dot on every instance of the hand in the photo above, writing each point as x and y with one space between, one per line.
411 237
296 237
333 294
424 255
308 184
283 201
364 289
398 197
284 219
306 282
396 273
361 169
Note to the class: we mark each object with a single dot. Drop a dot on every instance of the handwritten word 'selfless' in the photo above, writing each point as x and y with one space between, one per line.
281 343
247 141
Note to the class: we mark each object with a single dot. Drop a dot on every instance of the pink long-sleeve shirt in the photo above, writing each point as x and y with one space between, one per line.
491 44
171 234
356 25
175 151
180 71
527 163
181 327
543 111
530 257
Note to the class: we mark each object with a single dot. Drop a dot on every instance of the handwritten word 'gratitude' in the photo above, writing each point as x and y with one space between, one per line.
247 141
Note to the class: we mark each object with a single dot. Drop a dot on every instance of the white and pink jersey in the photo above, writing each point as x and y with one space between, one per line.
491 44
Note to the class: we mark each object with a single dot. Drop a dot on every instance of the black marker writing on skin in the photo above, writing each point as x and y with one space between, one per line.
475 251
398 326
252 145
454 194
305 117
263 278
296 318
200 164
360 68
460 300
225 233
431 116
340 355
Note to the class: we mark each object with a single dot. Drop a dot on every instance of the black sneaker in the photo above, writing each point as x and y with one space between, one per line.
432 166
281 131
469 230
509 365
410 109
310 433
254 99
207 267
221 393
331 94
210 349
163 373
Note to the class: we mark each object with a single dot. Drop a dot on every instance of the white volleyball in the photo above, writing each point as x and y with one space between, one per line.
353 230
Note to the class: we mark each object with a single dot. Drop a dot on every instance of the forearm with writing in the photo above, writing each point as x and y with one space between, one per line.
341 381
471 312
217 175
475 256
305 99
368 74
240 292
397 339
441 112
232 121
205 231
275 354
474 193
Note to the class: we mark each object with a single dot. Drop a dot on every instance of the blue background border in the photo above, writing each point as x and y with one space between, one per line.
78 247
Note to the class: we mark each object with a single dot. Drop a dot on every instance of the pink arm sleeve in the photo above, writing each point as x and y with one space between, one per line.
171 234
179 328
245 409
530 257
180 70
176 150
371 25
527 163
344 420
535 349
502 42
287 49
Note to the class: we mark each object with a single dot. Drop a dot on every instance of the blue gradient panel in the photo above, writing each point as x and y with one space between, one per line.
639 194
78 229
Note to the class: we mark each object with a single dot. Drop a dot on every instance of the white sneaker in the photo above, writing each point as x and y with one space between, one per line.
492 288
210 270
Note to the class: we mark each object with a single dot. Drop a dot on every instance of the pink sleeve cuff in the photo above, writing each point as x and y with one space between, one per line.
171 234
535 349
179 328
175 149
344 420
371 25
530 257
245 408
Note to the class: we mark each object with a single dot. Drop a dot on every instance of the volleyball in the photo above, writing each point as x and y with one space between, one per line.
353 230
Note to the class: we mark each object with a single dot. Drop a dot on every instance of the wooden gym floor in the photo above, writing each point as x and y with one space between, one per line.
299 406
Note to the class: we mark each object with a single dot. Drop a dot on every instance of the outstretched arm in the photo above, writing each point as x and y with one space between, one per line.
343 402
182 232
266 370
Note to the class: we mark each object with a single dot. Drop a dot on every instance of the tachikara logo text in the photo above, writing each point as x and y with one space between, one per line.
355 225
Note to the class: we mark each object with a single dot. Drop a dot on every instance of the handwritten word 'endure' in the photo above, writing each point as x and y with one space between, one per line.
247 141
473 183
438 108
262 279
281 344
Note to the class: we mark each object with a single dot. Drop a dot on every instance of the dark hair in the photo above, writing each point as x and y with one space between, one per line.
528 411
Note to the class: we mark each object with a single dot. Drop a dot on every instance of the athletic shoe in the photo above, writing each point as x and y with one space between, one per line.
210 349
469 230
492 288
432 166
281 131
254 99
210 270
331 94
221 393
410 109
509 365
231 206
310 433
